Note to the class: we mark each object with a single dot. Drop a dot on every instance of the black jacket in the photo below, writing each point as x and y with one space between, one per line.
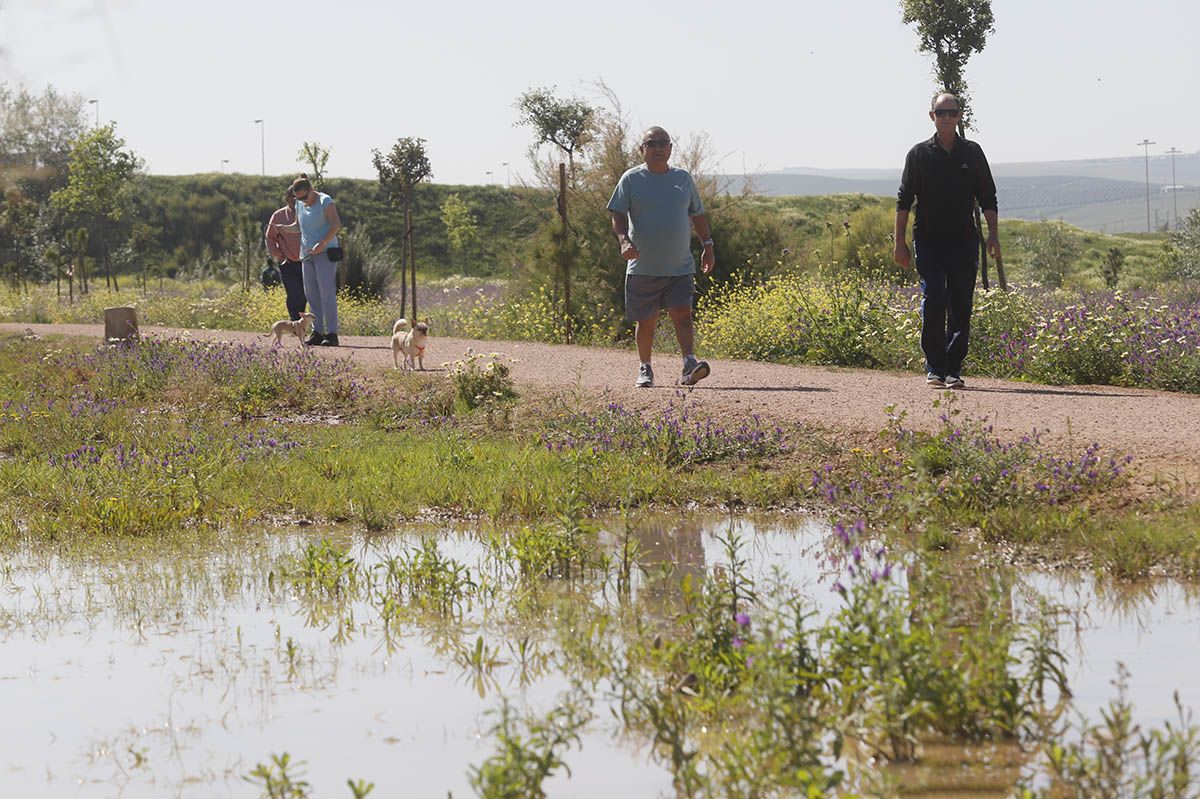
945 186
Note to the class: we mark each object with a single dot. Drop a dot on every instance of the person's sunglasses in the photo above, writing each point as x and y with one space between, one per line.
947 112
657 143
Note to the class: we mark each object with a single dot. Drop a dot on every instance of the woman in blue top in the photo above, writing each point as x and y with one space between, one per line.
318 221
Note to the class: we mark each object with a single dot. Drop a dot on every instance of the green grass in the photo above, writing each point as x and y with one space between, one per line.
173 443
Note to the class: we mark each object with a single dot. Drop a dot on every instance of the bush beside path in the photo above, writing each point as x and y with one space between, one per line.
1160 429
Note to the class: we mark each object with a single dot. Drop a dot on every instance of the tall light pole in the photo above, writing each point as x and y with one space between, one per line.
507 176
224 161
1174 151
262 143
1145 143
489 176
97 104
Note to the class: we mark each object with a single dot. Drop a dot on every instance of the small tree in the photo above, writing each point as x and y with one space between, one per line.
1185 248
1052 249
77 248
400 170
315 157
37 133
247 250
97 190
566 124
1110 267
952 31
461 230
18 223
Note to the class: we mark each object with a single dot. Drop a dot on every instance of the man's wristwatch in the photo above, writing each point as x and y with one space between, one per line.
706 243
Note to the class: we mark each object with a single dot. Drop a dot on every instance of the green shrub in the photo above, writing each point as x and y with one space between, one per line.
482 384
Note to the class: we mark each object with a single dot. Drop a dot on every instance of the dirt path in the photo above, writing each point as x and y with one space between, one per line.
1161 429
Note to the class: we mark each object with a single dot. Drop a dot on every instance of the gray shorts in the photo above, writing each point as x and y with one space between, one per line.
646 295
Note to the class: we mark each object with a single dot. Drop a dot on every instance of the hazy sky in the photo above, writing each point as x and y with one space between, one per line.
775 85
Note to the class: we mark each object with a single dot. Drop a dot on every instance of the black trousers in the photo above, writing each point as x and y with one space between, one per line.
948 270
293 284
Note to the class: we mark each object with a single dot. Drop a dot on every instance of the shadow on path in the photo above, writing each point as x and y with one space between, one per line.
1052 392
799 389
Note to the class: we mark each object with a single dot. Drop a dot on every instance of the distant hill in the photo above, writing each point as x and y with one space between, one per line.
1096 194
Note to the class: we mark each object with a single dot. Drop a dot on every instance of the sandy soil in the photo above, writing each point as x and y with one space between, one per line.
1160 429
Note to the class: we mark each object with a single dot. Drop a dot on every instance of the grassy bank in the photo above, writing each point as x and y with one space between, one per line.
168 439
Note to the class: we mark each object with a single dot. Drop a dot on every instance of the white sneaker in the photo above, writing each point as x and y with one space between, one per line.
935 380
645 378
954 381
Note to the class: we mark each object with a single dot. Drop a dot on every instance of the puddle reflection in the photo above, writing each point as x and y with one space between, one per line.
174 676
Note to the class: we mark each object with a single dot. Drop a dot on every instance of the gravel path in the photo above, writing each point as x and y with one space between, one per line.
1161 429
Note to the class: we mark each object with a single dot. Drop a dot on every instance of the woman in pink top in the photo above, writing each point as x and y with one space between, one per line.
284 246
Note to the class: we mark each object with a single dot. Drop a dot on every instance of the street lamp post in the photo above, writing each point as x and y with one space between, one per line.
97 104
1174 151
1145 143
262 143
224 161
489 176
507 176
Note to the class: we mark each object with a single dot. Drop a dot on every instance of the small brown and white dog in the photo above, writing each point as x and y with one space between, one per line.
298 328
409 339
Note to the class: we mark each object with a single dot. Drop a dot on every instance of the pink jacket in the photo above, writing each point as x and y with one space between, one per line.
282 245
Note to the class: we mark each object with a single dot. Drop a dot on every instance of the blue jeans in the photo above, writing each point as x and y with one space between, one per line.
320 287
947 271
293 285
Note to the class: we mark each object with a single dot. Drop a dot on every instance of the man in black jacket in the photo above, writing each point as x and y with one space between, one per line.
946 175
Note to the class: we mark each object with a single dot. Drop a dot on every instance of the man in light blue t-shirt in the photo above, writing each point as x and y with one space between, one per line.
654 208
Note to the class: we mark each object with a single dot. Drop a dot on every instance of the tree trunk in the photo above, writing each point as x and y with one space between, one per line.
983 253
110 277
982 248
412 264
404 262
563 252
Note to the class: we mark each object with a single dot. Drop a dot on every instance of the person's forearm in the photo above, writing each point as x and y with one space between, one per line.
700 223
332 232
901 226
273 245
993 223
620 226
294 227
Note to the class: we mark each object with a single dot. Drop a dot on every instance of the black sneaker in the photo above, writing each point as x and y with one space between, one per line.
934 380
693 372
330 340
314 339
955 381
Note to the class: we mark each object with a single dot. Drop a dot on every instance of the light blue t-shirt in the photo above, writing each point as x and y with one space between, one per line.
313 224
660 208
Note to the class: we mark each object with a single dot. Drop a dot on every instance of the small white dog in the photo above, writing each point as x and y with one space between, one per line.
409 339
298 328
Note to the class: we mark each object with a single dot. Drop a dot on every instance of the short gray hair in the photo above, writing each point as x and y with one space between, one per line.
938 95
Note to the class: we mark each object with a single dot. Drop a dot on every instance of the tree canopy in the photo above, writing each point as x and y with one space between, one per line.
953 31
403 167
36 131
563 123
99 175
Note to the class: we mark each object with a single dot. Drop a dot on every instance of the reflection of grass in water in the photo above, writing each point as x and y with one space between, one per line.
734 683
